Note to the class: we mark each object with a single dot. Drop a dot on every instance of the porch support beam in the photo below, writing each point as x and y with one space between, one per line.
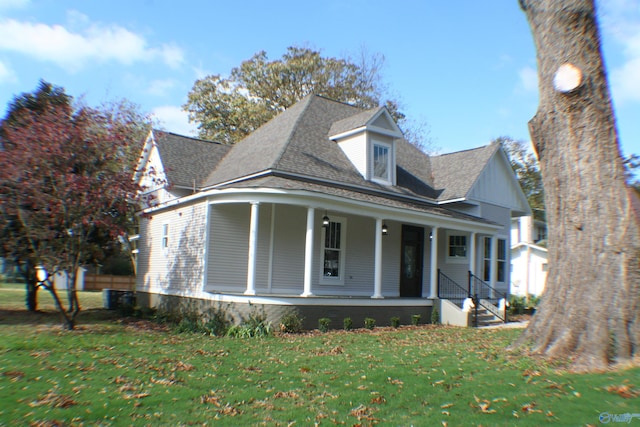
253 244
472 253
494 263
377 274
308 253
433 288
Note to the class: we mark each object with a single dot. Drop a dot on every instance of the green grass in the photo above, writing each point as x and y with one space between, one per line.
111 373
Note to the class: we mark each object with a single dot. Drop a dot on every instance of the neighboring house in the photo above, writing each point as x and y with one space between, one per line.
528 256
325 209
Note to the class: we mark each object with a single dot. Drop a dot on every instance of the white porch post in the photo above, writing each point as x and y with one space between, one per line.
253 244
494 263
308 253
433 289
377 275
472 254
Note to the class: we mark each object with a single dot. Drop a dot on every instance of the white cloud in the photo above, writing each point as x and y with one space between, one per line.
528 79
6 74
621 22
173 119
73 50
161 87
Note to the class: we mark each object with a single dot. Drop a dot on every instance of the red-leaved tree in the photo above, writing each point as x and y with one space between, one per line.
66 187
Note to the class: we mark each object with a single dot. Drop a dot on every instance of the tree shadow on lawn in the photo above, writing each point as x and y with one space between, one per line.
91 316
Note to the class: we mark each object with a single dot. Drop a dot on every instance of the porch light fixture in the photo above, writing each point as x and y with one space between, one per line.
430 235
385 229
325 220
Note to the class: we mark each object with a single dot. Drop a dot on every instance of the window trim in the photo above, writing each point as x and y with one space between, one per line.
486 258
390 162
502 261
331 280
164 240
457 259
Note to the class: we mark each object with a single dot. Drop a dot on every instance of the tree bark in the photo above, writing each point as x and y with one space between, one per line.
590 309
28 273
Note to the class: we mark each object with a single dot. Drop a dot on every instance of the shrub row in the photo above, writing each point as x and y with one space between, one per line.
217 322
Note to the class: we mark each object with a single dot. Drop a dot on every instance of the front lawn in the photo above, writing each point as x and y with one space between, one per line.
111 372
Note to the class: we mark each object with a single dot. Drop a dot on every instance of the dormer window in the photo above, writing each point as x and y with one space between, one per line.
381 162
368 140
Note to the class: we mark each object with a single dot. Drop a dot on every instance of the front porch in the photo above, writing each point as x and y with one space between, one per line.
286 248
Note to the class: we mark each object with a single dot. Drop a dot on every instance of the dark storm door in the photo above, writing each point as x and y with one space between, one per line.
411 261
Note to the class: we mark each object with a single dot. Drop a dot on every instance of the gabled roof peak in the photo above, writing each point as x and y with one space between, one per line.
378 119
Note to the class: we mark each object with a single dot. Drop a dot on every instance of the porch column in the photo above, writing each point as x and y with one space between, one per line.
494 263
253 244
308 253
377 268
472 254
433 289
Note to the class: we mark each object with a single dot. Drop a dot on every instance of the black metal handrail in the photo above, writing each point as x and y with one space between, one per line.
449 289
481 290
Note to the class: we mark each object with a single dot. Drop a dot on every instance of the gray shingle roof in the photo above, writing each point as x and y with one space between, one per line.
297 141
187 160
353 122
288 183
455 173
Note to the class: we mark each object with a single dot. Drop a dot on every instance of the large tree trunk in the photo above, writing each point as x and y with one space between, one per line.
590 309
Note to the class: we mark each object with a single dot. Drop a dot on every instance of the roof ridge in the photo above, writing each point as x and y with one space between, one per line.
188 137
307 100
467 150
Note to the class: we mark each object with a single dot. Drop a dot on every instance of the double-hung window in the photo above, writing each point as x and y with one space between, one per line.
457 248
502 260
486 276
381 159
165 236
333 251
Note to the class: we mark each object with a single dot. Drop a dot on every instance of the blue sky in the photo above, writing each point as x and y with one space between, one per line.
466 67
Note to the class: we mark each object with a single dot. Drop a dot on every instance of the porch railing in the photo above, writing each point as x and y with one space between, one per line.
486 296
450 290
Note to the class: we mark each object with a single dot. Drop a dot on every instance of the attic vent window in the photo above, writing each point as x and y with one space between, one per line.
381 162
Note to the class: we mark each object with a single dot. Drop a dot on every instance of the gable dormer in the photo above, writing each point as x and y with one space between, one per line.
368 141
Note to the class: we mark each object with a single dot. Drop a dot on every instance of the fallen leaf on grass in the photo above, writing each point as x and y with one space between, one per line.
484 405
625 391
210 398
229 411
447 405
181 366
286 394
363 413
529 408
135 396
14 375
163 381
378 400
55 400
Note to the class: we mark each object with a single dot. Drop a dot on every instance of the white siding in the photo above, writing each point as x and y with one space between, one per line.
228 247
502 216
180 267
355 147
497 185
458 272
537 272
288 249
